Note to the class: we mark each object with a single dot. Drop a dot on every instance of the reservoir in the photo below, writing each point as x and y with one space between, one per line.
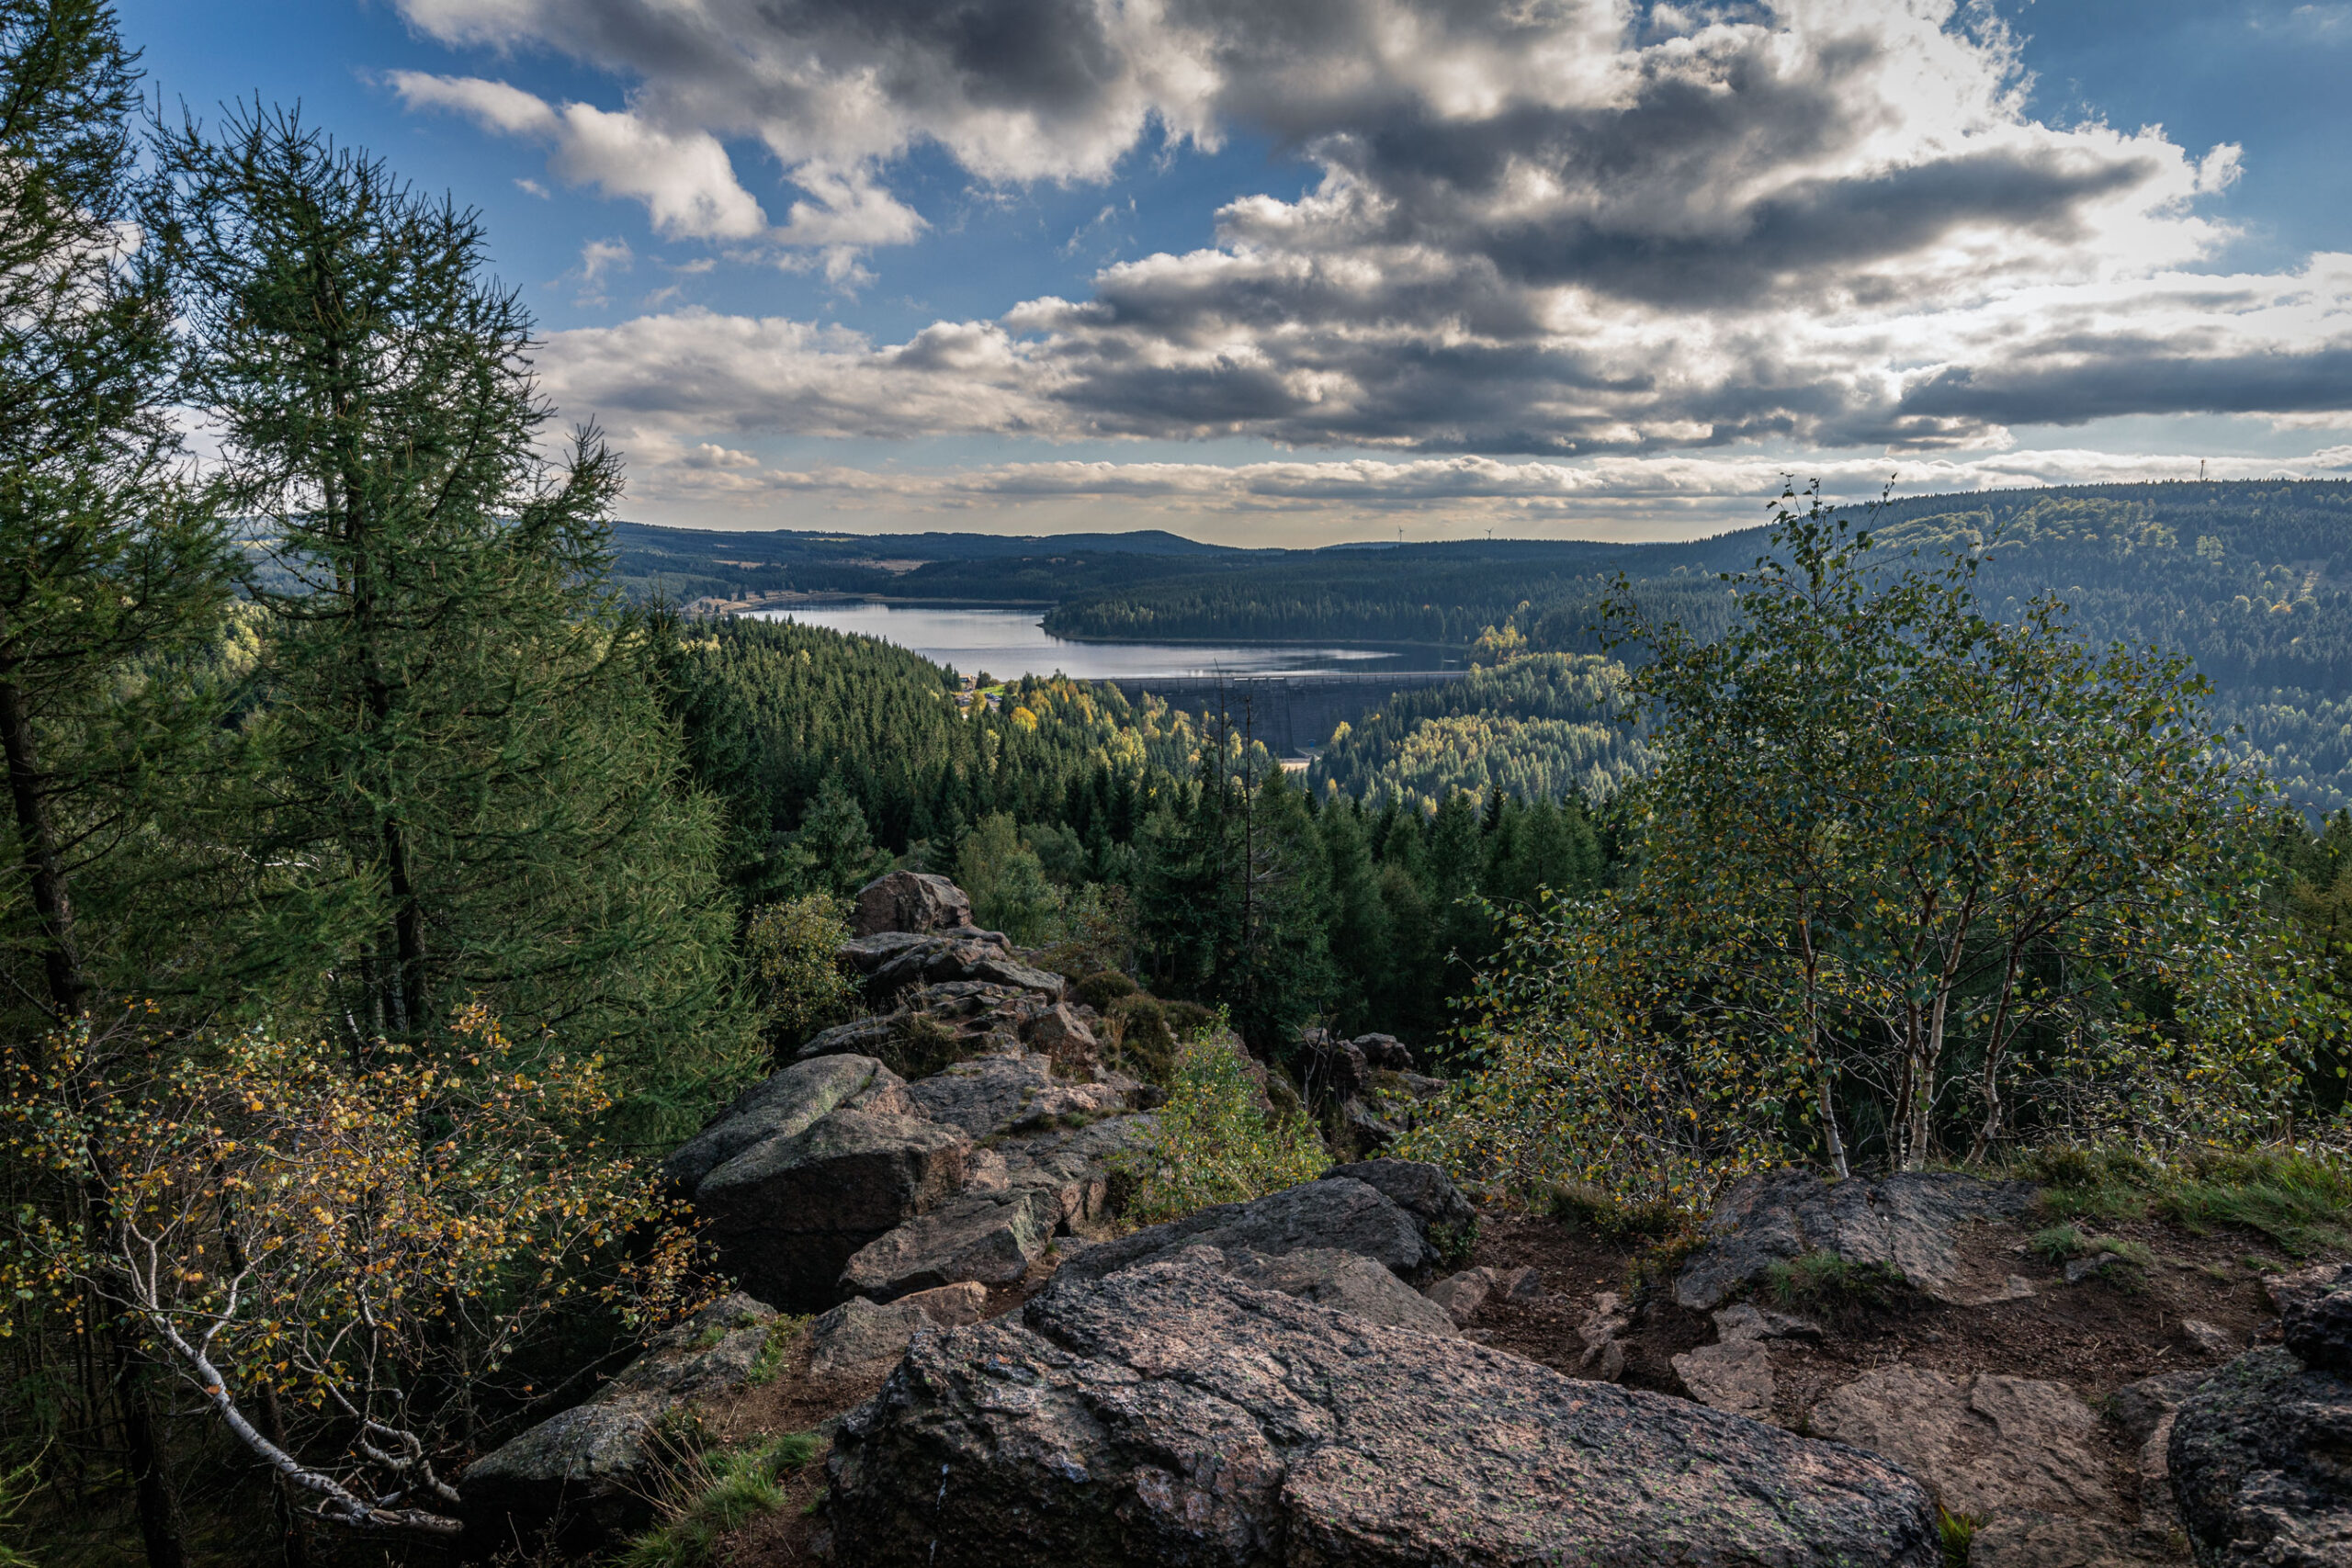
1291 694
1009 643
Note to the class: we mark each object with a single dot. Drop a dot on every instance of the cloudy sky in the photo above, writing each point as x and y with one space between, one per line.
1293 271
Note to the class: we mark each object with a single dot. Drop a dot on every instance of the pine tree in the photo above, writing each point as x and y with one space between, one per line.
469 785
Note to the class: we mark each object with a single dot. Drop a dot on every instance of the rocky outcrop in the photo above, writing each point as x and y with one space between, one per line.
2258 1457
812 1165
2315 1317
991 1237
1173 1413
1345 1215
585 1473
1906 1222
1421 1189
894 962
861 1339
1344 1282
1984 1445
908 901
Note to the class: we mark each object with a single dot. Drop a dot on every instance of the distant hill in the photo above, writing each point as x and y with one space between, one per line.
2252 578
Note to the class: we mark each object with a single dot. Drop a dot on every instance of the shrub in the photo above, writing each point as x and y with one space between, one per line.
1101 990
257 1214
1211 1143
1583 1203
1141 1042
790 948
919 1046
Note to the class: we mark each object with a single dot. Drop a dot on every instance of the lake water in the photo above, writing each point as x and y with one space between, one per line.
1011 642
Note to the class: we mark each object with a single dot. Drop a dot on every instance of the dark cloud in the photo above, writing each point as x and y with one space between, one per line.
1558 227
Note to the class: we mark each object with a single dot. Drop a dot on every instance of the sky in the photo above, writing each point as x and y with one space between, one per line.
1294 272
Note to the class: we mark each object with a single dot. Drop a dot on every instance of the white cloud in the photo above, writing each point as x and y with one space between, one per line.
684 179
1582 229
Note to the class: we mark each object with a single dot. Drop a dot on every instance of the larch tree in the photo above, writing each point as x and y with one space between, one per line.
467 783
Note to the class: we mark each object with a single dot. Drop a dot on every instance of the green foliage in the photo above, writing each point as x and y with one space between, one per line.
1542 729
789 949
1910 878
919 1046
1827 1281
1958 1534
1007 882
1141 1042
1099 990
2056 1244
2301 1200
16 1490
1596 1208
465 782
1212 1142
711 1495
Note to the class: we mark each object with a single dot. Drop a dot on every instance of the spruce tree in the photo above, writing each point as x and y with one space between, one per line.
468 783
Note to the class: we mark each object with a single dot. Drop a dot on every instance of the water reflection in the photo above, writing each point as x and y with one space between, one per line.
1011 642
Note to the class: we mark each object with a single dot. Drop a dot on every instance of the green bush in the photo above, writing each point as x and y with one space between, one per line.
1592 1207
1100 990
789 949
1211 1143
1141 1042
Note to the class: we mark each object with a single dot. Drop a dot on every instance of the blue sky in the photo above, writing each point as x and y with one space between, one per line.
1302 270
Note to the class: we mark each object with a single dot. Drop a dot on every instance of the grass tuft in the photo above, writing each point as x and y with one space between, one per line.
2300 1202
2057 1243
1824 1279
1583 1203
713 1494
1959 1532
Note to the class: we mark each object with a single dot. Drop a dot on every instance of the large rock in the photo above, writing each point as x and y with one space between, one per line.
785 1104
806 1168
1345 1215
1421 1189
910 901
588 1471
2261 1462
1732 1375
1010 1092
1172 1414
1985 1446
991 1237
1905 1221
905 964
2316 1324
861 1339
1344 1282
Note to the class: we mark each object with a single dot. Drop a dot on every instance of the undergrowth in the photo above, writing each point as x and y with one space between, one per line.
1212 1142
1958 1533
1825 1280
710 1492
1583 1203
2302 1201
